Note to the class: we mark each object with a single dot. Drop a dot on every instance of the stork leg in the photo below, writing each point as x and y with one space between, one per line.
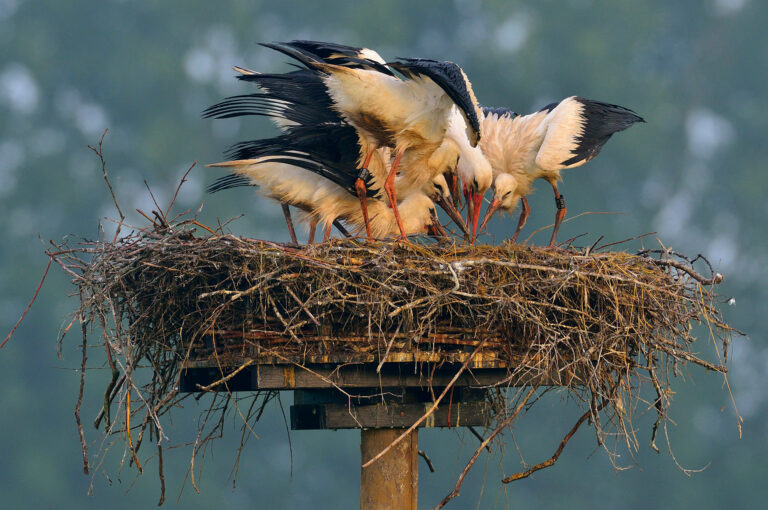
523 218
327 233
389 188
561 210
362 192
289 222
312 227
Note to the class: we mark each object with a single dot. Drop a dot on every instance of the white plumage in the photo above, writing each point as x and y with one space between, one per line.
324 201
522 149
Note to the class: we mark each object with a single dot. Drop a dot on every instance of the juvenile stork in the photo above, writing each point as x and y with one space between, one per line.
410 115
309 167
539 145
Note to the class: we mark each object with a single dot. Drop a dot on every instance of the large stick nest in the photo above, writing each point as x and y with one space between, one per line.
600 323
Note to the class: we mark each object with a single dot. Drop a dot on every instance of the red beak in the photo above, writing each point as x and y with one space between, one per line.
477 204
470 204
491 209
453 187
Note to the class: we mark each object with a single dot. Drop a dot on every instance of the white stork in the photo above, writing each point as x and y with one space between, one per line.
559 136
410 115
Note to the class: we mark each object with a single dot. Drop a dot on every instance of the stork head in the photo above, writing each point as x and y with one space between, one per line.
440 194
475 170
505 196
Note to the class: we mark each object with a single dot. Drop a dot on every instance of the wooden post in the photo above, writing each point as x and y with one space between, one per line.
393 480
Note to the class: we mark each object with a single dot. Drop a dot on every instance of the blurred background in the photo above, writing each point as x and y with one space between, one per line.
695 173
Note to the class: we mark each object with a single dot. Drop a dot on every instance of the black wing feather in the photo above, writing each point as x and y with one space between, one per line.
340 54
449 77
330 150
307 58
228 182
601 121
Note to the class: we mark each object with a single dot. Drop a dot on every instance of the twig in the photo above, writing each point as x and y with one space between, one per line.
158 210
176 194
34 297
479 437
160 472
223 380
715 279
302 305
426 458
550 461
586 213
128 429
83 444
484 444
100 153
622 241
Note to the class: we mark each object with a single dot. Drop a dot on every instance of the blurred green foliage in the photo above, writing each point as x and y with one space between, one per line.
695 174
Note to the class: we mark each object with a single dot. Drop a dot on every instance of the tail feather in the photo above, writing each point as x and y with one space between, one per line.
600 121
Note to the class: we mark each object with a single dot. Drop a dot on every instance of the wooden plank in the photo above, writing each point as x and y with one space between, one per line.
480 360
392 482
392 375
391 415
365 376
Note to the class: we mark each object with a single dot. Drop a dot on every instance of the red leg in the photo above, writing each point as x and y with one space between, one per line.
327 233
289 222
389 188
561 210
312 227
362 192
523 218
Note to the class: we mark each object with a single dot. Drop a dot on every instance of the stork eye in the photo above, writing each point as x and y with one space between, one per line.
505 195
474 183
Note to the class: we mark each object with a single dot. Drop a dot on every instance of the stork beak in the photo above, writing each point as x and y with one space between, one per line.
435 229
470 204
453 187
475 207
453 214
491 209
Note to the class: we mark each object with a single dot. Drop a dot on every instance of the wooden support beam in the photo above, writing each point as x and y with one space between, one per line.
392 375
392 481
342 416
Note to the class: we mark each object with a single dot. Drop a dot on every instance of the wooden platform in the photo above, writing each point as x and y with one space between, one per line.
361 394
